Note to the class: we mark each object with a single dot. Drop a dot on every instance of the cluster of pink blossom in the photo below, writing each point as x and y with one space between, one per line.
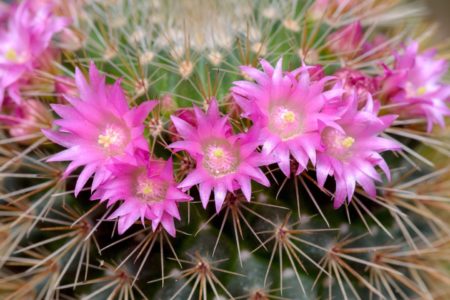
335 130
414 87
300 120
105 137
27 30
25 44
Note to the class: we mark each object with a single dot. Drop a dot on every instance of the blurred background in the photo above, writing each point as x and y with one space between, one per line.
440 10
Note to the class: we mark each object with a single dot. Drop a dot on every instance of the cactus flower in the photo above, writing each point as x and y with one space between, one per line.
98 128
287 107
352 151
414 86
26 118
147 191
224 161
28 34
347 41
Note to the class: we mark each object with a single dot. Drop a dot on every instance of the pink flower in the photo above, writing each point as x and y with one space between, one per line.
148 191
316 72
98 128
26 119
65 86
352 151
185 114
352 79
287 107
378 47
28 34
224 161
415 88
347 41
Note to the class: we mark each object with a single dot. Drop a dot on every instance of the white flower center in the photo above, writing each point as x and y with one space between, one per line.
285 122
220 158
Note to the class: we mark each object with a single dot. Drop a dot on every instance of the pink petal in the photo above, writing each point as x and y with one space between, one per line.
350 185
140 113
117 98
246 187
205 191
270 144
99 177
62 139
188 146
219 196
177 195
66 112
65 155
340 193
168 224
192 179
267 67
284 161
261 178
183 128
126 222
172 209
84 177
322 170
366 183
83 86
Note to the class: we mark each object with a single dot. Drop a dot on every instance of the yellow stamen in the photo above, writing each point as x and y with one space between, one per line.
108 139
147 189
11 55
218 153
421 91
288 116
348 142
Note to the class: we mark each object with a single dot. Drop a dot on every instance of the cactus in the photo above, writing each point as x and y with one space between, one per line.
223 150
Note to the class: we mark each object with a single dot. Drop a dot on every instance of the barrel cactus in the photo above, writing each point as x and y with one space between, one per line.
223 150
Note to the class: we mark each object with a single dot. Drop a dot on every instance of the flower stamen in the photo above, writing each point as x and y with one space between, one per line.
220 159
348 142
147 189
110 137
151 191
218 153
337 143
288 116
285 122
421 91
11 55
